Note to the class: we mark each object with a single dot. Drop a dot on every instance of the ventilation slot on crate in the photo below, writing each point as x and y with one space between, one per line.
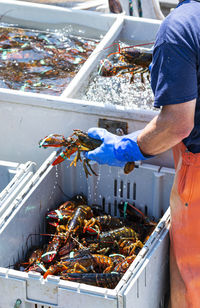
115 208
121 189
128 191
41 306
124 190
115 188
134 191
103 204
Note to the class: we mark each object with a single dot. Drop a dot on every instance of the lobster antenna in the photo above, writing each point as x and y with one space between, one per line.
75 240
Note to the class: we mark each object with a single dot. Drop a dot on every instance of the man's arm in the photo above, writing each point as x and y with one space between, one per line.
171 126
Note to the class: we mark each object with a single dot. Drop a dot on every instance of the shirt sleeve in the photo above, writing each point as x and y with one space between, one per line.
173 74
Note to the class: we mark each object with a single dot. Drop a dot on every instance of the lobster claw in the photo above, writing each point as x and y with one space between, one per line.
54 224
51 250
60 158
65 154
53 140
90 230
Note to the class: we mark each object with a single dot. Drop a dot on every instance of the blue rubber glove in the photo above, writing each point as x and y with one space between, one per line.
115 150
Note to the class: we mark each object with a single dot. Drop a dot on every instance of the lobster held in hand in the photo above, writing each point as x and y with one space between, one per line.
78 142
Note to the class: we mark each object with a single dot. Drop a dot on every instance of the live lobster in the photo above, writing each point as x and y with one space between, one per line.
78 142
127 60
99 257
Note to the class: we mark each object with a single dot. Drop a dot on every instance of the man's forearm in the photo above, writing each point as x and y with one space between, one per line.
153 140
172 125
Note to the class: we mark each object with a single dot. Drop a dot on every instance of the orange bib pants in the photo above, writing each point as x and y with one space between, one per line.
185 230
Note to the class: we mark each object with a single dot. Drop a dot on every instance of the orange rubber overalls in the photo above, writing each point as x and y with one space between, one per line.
185 230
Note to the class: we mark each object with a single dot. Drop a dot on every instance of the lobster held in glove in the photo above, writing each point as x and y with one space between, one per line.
78 142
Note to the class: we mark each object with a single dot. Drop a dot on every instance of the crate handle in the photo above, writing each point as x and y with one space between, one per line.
42 304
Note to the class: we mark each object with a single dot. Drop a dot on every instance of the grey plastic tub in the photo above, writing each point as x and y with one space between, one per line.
146 281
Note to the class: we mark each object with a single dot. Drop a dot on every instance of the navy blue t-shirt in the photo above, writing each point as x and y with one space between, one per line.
175 72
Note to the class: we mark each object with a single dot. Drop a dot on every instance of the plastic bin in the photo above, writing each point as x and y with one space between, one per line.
13 178
37 115
146 281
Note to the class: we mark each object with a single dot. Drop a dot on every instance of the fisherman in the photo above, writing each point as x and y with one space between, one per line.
175 81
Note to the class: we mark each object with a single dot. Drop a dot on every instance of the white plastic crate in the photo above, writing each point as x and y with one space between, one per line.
53 114
146 280
13 178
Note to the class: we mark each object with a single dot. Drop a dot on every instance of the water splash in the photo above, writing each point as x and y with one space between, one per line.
41 62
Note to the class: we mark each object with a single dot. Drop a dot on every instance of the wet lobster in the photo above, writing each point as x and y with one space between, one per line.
143 225
33 257
99 223
104 280
79 141
130 59
82 263
111 239
65 210
86 245
76 221
74 225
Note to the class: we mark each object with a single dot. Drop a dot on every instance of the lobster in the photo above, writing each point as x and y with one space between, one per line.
136 60
128 247
54 269
61 216
74 225
95 225
82 262
79 141
124 265
89 262
69 246
104 280
66 209
142 223
110 239
76 221
38 267
130 211
115 235
34 257
52 248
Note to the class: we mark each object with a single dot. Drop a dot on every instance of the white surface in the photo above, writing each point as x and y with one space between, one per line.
13 178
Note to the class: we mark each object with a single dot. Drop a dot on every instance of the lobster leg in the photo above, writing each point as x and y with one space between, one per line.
80 267
89 166
86 169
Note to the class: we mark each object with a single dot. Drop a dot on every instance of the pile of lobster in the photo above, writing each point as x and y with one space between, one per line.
87 245
42 62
